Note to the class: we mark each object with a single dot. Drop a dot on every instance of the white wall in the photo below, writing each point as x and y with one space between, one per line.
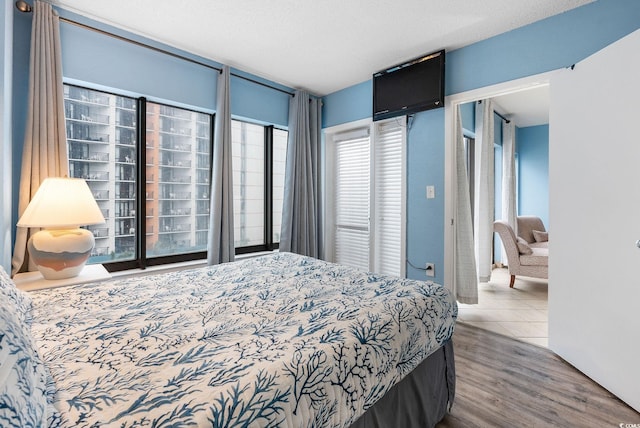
594 205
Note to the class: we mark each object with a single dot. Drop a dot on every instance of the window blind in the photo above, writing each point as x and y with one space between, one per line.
388 192
352 199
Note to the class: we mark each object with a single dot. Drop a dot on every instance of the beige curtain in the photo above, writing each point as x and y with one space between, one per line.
509 179
466 277
485 190
45 146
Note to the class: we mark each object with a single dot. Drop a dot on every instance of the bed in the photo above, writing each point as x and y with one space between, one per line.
279 340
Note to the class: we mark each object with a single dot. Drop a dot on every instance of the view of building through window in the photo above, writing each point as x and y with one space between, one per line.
178 153
101 136
102 132
250 172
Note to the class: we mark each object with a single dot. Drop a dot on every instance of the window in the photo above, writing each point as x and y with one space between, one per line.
470 159
389 191
351 201
178 160
171 174
259 154
168 178
367 197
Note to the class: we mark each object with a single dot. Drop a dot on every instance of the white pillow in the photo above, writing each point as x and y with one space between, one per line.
540 236
23 376
19 298
523 247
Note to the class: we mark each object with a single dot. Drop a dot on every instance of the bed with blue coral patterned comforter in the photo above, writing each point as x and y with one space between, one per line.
280 340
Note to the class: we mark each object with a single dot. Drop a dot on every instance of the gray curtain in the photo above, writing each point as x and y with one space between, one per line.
301 212
465 285
45 145
221 246
485 194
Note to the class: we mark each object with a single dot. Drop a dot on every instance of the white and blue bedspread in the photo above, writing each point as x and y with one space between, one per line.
280 340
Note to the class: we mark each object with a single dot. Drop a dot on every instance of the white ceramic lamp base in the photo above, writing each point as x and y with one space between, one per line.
60 253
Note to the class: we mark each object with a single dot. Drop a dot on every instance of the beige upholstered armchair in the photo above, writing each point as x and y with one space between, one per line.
527 253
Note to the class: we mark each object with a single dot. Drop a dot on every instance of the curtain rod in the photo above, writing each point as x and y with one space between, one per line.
502 117
20 5
498 114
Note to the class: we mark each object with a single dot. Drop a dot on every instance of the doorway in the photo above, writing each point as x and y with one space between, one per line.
528 302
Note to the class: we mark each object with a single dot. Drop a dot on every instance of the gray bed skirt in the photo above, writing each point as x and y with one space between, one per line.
421 399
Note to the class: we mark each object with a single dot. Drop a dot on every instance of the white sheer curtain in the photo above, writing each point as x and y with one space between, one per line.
508 178
221 246
301 211
485 190
44 153
465 285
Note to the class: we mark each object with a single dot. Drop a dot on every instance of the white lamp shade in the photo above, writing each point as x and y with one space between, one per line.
60 203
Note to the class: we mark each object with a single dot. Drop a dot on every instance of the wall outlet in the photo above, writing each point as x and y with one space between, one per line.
430 269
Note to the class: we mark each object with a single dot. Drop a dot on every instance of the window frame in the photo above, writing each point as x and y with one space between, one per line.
332 137
268 244
141 260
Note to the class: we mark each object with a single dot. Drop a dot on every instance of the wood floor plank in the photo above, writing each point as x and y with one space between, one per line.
502 382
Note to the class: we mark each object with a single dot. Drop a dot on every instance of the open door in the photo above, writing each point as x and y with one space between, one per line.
594 206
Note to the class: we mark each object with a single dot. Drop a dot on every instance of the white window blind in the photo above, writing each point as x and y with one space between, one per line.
388 198
351 199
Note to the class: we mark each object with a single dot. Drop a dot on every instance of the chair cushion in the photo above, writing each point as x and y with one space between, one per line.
544 245
540 236
526 226
523 246
539 257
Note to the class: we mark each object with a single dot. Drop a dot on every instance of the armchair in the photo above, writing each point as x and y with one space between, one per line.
524 257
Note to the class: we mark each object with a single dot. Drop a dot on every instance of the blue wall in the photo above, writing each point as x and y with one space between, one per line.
348 105
468 118
553 43
106 63
425 149
533 183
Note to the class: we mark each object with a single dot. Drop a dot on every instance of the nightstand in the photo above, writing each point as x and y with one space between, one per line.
29 281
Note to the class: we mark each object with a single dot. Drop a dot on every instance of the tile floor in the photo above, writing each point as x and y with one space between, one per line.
519 312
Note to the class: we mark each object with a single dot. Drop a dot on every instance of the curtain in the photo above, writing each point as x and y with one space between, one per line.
301 212
465 278
485 194
221 245
508 179
44 153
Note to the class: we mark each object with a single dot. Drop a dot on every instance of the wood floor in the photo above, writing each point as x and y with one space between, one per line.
502 382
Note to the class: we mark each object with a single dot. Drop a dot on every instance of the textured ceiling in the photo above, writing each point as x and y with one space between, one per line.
318 45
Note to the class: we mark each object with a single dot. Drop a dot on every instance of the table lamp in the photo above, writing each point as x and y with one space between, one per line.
60 206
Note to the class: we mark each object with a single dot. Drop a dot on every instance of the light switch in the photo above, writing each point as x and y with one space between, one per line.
431 192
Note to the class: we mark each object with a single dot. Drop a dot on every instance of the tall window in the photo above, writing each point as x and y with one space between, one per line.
178 159
155 195
168 181
352 199
389 191
470 158
259 155
366 195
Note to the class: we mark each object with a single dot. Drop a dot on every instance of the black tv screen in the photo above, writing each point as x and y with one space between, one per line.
411 87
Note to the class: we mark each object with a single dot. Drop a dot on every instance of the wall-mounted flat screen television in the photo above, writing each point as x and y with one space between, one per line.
411 87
